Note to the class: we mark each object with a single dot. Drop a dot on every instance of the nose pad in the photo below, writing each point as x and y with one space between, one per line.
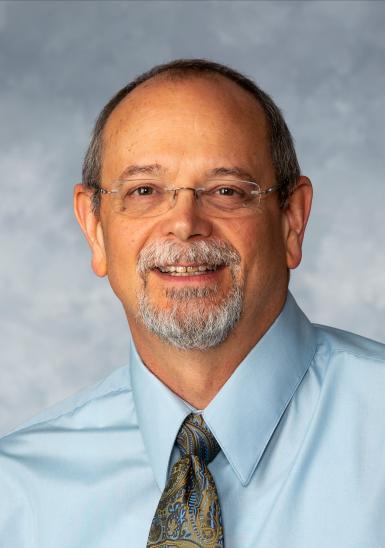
175 194
185 220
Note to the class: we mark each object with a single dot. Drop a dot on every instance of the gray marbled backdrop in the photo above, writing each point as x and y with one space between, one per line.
324 63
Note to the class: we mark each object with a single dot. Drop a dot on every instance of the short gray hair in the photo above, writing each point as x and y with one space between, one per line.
283 155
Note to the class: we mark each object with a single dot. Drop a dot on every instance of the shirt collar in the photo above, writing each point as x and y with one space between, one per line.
246 411
160 415
251 401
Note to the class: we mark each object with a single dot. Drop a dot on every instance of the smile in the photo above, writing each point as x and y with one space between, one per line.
194 270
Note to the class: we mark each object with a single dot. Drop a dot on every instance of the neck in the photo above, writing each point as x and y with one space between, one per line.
198 375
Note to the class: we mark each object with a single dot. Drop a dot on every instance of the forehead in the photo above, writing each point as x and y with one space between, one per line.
201 116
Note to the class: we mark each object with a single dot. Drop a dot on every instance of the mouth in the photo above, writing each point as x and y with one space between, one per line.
187 270
199 263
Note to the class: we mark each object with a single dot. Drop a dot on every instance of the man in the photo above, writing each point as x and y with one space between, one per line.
237 423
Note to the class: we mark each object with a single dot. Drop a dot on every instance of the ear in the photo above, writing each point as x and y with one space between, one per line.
295 217
91 226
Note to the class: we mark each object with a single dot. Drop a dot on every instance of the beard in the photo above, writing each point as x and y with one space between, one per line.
197 318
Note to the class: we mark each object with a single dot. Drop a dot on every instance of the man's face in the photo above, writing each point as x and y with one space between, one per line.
189 130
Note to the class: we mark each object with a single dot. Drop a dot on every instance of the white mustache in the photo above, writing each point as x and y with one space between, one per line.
167 252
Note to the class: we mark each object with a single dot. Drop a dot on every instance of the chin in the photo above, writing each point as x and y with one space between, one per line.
192 323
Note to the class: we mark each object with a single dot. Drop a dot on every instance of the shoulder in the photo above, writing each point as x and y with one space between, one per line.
354 362
77 433
49 463
91 407
337 341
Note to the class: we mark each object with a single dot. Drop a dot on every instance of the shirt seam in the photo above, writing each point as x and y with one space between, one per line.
358 355
60 415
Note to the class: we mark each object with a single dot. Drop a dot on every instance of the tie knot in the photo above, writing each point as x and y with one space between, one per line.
195 438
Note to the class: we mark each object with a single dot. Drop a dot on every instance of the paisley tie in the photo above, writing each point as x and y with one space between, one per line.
188 514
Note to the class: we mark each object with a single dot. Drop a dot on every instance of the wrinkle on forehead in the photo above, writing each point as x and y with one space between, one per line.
215 120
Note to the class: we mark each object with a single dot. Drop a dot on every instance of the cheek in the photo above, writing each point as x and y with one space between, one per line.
260 244
123 243
248 235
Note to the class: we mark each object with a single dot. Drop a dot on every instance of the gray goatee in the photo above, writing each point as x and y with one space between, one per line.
195 319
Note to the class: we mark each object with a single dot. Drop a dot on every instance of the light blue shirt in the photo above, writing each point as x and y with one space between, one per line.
301 425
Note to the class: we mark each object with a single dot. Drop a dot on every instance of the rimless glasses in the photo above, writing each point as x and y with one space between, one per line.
218 198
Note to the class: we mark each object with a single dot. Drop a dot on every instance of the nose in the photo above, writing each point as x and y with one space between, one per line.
185 220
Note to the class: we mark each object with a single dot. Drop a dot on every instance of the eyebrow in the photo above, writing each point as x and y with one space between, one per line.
232 172
134 169
157 170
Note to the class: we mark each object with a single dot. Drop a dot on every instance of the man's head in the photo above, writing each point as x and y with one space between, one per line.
185 125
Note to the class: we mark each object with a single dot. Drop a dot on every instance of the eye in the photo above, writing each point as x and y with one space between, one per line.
142 191
228 191
130 190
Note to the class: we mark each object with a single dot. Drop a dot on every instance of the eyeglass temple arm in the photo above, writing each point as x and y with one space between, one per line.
267 190
105 191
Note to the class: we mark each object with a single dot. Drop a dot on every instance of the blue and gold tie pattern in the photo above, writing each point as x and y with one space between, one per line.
188 514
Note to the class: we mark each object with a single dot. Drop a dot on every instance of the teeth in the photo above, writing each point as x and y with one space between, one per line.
186 270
